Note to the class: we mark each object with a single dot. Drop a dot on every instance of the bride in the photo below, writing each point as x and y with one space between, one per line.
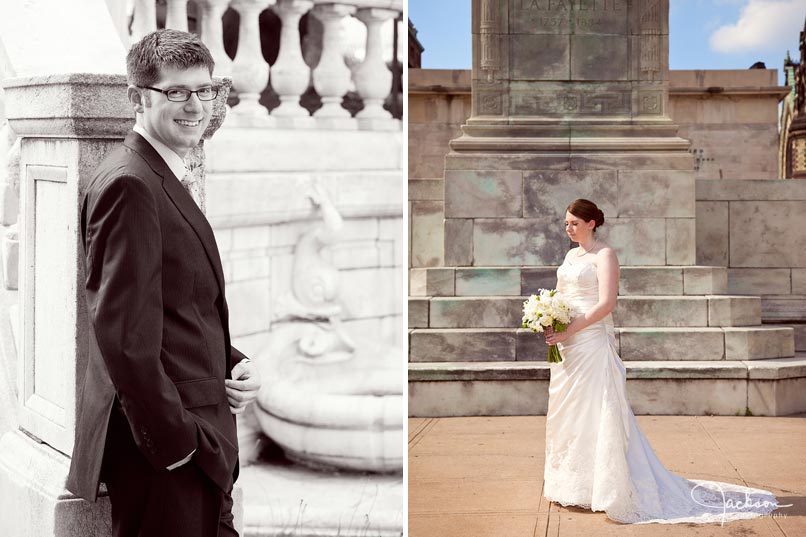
596 455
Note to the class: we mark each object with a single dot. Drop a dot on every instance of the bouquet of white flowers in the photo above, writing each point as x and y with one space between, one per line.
547 308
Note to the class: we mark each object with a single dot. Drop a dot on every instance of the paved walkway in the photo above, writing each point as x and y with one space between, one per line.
482 477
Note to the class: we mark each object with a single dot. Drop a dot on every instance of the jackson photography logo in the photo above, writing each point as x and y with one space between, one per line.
734 502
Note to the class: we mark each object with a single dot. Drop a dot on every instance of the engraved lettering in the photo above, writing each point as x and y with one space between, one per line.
577 5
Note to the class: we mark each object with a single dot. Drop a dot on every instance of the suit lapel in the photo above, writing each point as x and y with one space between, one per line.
182 200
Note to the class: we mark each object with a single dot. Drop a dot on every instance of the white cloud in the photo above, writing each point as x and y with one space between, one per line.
763 25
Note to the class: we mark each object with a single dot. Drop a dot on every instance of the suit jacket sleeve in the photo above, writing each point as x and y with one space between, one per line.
124 292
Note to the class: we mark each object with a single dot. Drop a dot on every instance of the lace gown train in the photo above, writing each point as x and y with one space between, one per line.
596 455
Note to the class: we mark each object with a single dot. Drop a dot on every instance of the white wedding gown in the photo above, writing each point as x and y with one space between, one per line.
596 455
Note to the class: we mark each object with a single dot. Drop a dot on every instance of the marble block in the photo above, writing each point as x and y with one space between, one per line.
762 235
712 231
549 192
656 193
525 241
651 281
734 311
758 342
493 193
600 57
431 282
764 281
534 279
540 57
462 345
705 280
426 234
637 241
672 344
652 311
418 312
531 346
458 242
487 281
798 281
464 312
681 247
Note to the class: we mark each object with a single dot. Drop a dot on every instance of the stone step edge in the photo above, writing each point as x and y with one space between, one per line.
769 369
770 327
632 297
684 278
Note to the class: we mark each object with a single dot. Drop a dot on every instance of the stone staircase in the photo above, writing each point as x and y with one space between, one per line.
688 347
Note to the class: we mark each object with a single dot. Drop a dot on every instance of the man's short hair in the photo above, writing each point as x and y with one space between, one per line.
165 48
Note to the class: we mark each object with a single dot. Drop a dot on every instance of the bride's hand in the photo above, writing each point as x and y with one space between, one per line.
552 337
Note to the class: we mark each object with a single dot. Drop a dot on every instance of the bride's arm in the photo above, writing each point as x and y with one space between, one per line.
608 275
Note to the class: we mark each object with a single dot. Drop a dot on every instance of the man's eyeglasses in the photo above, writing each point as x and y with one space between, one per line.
180 95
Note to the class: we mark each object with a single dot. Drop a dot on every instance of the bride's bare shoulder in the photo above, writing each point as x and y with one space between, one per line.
606 252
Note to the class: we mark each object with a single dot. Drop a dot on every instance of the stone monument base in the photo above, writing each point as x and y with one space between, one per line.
505 196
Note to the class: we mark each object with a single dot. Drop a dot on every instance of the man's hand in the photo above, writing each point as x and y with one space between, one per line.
243 387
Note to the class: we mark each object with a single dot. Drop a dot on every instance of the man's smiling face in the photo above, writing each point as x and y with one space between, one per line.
178 125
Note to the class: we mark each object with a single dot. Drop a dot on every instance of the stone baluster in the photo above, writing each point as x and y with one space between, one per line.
250 72
373 79
145 19
290 75
212 33
177 15
331 78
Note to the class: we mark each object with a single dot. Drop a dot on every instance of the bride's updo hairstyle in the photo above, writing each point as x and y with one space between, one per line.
587 211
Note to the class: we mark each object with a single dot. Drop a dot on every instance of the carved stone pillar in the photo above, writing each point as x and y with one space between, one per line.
177 15
578 91
212 33
250 72
145 19
290 74
372 78
331 78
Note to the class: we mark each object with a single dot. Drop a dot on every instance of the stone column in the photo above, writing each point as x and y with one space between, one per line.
331 78
250 72
372 78
569 100
290 74
145 19
66 124
212 33
177 15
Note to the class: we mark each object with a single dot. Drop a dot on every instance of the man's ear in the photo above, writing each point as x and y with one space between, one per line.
137 98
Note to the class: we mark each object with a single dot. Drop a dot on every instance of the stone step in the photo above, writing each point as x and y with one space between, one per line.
497 281
632 344
631 311
763 388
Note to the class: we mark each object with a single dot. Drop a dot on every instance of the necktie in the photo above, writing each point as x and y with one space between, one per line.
193 186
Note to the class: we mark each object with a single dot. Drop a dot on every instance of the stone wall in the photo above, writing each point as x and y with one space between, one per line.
755 229
731 118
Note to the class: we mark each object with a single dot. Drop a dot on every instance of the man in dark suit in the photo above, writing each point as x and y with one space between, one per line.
156 414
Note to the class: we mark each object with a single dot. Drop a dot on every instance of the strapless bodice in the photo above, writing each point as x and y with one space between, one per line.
579 284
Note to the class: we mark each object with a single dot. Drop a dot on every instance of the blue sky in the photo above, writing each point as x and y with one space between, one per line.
703 34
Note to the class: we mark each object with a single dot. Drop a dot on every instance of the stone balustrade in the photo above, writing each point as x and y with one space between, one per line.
290 76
